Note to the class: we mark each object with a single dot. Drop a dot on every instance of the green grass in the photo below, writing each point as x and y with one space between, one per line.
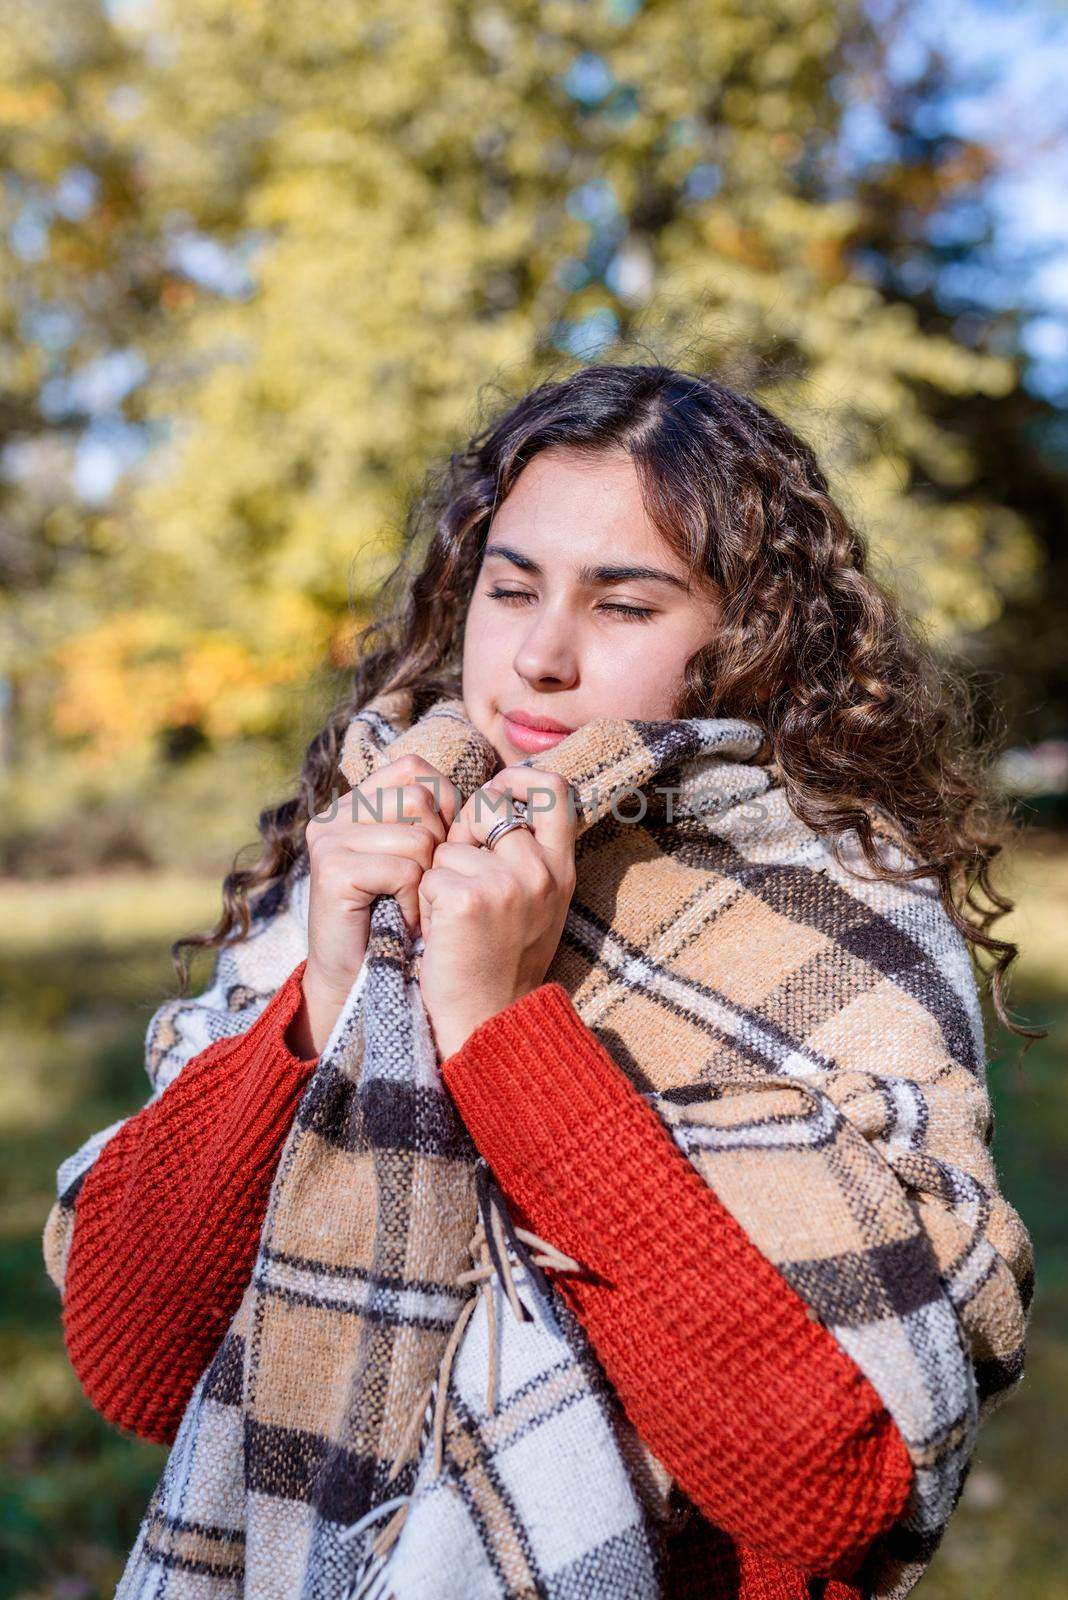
1007 1539
83 965
85 962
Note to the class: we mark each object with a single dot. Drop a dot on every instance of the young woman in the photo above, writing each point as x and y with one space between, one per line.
643 544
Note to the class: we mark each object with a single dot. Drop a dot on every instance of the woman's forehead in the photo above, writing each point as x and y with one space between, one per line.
567 511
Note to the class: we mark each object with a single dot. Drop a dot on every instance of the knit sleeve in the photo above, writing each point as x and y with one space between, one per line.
167 1221
766 1424
247 973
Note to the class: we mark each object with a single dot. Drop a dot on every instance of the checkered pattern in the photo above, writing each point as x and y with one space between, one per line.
810 1036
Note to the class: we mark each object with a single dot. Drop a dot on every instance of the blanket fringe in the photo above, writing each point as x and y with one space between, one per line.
489 1252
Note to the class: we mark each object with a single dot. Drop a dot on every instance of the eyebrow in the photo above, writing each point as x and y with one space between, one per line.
593 577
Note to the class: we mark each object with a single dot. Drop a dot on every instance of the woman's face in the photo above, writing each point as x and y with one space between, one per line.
580 609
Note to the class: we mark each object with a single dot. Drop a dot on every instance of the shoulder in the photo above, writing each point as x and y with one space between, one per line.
247 973
878 948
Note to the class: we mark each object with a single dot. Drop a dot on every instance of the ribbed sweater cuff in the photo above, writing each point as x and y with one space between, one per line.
543 1055
542 1099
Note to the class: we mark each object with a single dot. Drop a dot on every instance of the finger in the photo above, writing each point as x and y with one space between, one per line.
412 839
408 901
378 874
414 773
470 860
442 883
434 889
405 891
549 803
408 806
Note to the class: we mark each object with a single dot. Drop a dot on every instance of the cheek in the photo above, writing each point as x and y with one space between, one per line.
659 648
635 669
486 646
663 653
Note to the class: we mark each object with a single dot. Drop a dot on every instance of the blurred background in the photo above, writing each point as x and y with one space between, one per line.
262 263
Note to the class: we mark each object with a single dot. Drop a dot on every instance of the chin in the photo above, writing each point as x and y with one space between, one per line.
505 755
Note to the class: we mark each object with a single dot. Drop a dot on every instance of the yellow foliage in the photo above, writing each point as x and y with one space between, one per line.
124 681
415 196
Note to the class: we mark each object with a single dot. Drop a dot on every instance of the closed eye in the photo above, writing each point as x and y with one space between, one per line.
636 613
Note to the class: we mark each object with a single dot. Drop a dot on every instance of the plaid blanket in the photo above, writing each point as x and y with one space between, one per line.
403 1405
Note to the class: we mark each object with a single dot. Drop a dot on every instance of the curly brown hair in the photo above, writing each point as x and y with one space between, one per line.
862 723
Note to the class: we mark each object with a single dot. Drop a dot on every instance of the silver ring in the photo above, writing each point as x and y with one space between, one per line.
499 829
506 824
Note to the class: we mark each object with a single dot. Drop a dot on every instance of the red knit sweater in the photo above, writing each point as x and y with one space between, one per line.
769 1427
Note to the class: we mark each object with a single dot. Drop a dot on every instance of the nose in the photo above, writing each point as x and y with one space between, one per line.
547 657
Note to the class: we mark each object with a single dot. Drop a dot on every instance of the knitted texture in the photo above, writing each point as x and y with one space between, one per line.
707 1564
168 1220
811 1041
531 1083
766 1424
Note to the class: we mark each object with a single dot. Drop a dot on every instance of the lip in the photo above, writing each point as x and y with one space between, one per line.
531 733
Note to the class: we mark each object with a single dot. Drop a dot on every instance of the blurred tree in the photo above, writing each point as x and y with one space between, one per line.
925 236
381 209
80 280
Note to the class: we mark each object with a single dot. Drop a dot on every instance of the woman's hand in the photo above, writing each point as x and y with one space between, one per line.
492 919
356 852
